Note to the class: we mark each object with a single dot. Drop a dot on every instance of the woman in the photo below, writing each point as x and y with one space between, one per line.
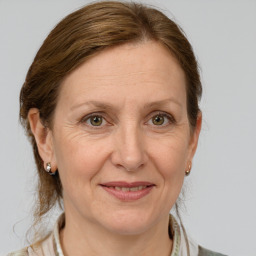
110 104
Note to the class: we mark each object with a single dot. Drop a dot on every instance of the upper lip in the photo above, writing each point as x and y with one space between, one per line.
127 184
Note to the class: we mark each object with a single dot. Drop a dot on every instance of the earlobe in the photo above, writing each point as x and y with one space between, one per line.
43 137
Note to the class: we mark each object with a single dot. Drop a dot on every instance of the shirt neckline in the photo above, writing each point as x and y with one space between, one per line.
173 226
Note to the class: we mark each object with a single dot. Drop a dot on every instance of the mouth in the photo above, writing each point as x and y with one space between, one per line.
128 191
125 189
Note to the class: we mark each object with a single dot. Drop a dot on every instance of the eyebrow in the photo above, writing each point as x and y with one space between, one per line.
95 104
163 102
108 106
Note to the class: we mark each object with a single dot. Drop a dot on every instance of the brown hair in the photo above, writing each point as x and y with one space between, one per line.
81 35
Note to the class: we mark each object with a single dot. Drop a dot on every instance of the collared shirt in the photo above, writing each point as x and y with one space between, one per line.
51 245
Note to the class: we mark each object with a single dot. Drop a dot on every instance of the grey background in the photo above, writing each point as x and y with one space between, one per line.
220 193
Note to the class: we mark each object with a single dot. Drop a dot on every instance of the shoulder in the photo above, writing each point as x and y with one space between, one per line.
205 252
22 252
49 245
40 248
183 245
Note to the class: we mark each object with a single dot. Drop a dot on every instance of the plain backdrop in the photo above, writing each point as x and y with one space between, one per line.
220 199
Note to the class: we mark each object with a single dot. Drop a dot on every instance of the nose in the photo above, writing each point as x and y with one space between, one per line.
129 151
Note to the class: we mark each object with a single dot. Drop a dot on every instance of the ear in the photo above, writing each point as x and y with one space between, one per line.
43 137
194 138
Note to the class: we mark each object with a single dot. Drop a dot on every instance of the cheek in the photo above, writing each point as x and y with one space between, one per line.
171 156
170 161
76 160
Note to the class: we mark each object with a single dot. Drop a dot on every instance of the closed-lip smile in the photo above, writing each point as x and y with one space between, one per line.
126 191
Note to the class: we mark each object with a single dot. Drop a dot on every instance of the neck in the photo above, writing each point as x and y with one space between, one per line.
81 239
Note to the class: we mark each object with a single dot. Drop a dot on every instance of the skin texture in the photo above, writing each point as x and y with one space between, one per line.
128 86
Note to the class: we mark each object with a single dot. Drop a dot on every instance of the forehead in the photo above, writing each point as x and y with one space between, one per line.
147 70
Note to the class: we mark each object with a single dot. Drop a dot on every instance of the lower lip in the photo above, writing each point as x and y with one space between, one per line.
128 195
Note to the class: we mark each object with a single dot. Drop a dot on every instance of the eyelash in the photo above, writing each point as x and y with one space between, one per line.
170 118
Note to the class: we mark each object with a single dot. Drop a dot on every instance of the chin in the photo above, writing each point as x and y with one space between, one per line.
129 229
128 223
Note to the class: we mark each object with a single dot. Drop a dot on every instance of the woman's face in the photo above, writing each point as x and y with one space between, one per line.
121 139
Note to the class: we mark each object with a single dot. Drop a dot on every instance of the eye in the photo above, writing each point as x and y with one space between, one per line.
94 120
158 120
161 119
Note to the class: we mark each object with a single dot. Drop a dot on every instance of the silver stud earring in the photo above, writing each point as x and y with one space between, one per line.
49 169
